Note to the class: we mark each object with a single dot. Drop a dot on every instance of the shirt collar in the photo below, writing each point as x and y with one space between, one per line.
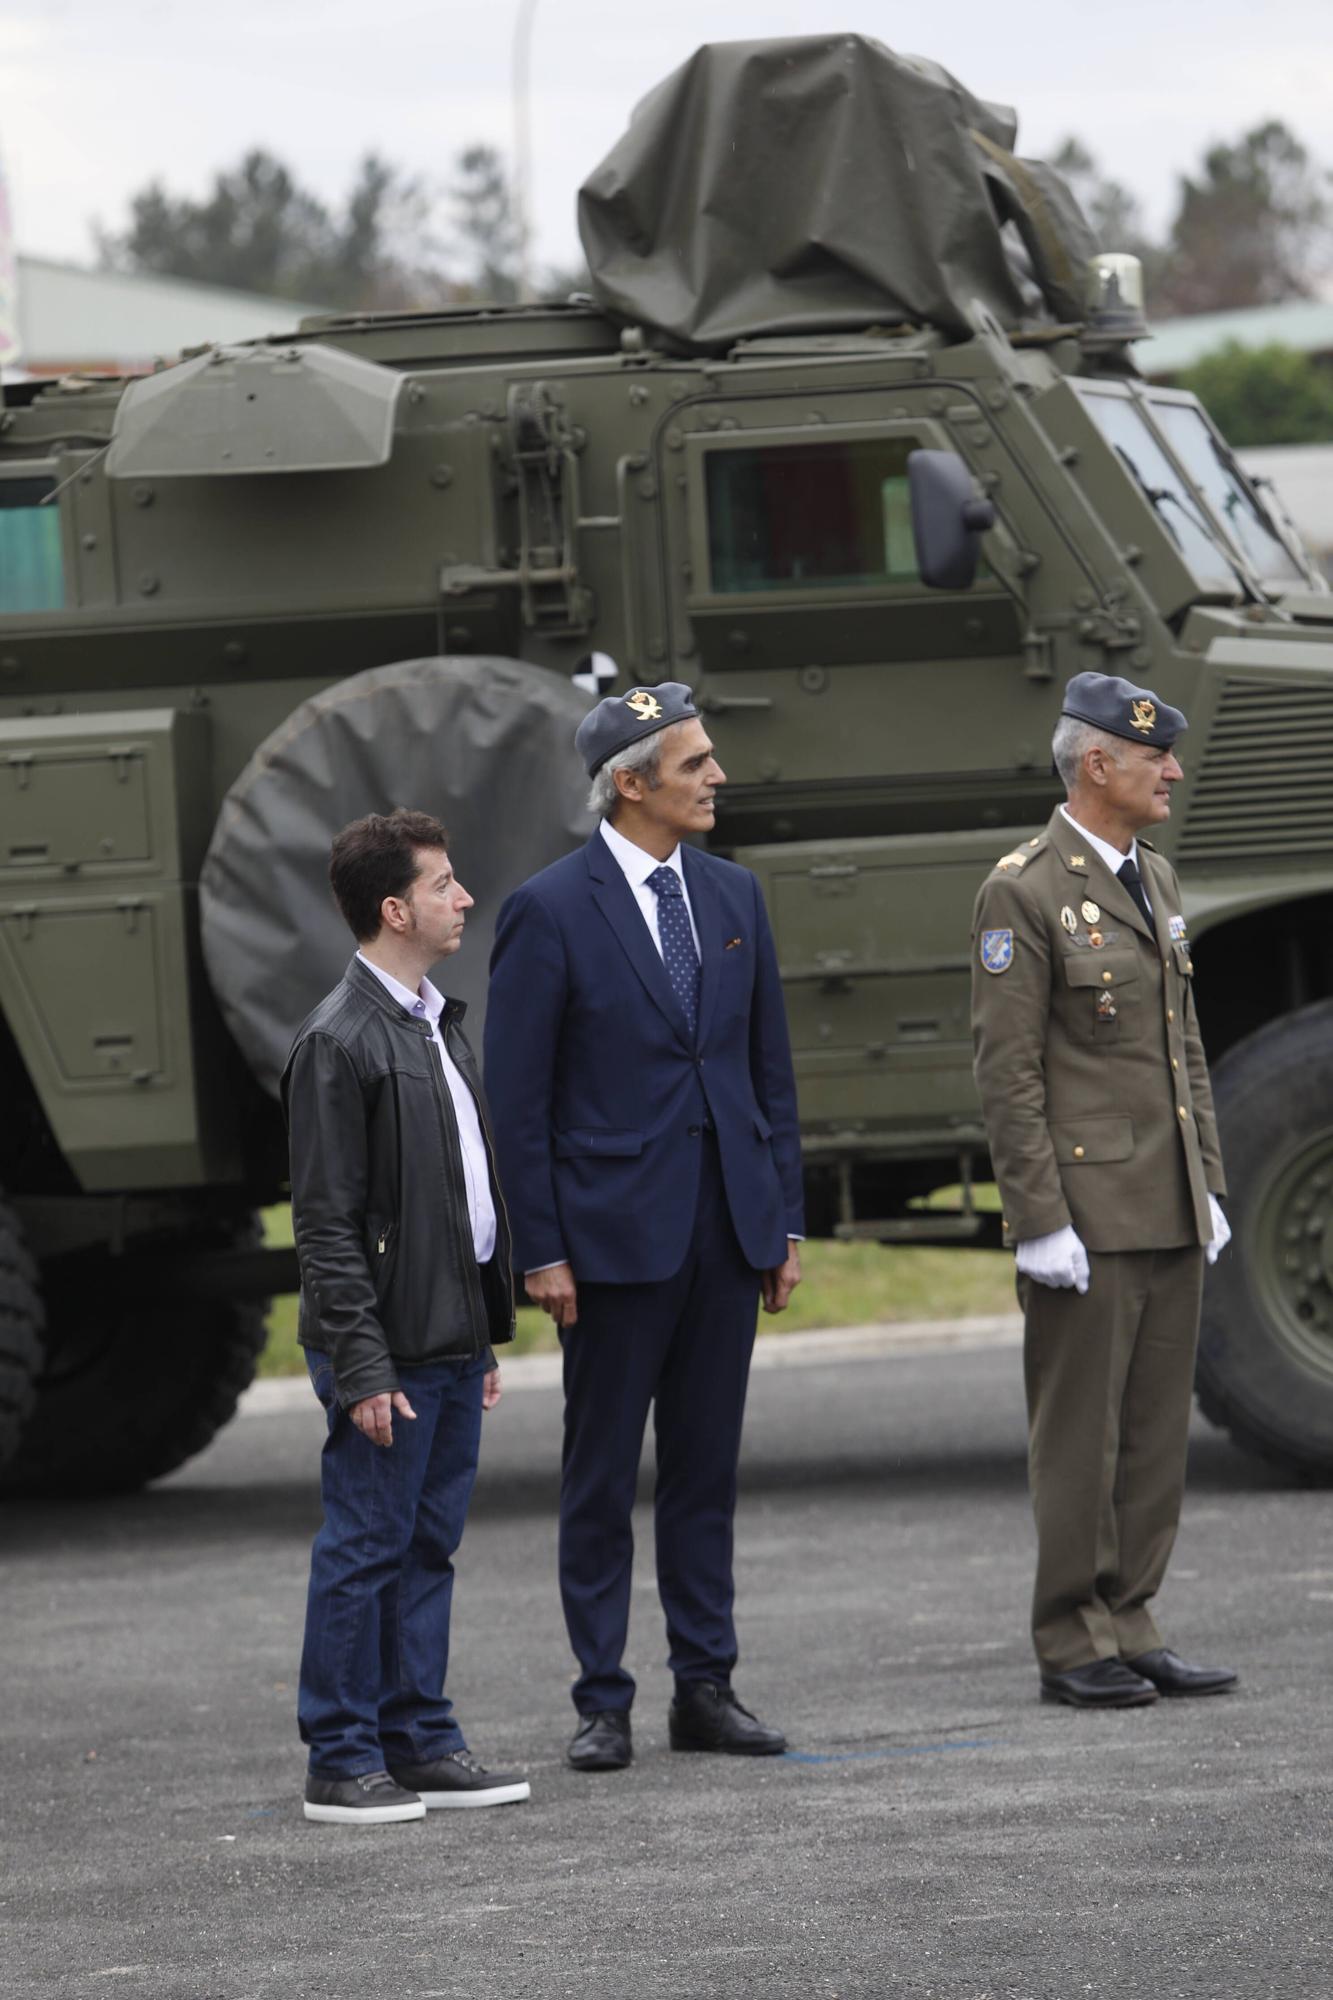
427 1004
636 864
1112 856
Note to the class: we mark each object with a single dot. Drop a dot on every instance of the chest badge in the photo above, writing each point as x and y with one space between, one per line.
1105 1007
1069 920
997 950
1091 913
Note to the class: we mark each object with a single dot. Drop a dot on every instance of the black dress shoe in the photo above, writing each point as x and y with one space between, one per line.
1101 1684
705 1716
1170 1674
602 1741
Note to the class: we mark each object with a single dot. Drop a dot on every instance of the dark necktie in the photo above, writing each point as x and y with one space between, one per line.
1133 881
678 951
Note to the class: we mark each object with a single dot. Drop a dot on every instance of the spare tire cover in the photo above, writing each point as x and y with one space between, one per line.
486 745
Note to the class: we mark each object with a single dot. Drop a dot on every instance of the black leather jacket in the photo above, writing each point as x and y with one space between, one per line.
379 1203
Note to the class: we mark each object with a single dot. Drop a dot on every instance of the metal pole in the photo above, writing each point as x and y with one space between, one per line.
522 188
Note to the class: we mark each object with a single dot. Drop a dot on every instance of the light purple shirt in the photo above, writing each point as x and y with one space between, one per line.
428 1005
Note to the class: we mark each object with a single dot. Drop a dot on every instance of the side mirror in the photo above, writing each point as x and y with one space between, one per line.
949 517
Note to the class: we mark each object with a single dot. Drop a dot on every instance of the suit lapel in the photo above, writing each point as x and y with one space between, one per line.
615 899
704 903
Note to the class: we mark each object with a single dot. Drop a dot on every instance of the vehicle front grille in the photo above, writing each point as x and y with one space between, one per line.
1266 784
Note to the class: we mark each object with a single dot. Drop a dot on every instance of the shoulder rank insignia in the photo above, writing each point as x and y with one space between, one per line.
997 950
1014 860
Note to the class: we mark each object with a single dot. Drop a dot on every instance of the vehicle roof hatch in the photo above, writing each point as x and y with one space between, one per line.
301 408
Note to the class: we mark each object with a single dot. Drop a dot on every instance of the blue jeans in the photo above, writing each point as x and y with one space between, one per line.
381 1575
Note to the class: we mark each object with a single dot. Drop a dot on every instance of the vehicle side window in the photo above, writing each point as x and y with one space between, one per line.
32 569
833 515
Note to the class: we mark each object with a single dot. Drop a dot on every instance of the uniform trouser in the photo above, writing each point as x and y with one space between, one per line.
382 1576
684 1347
1109 1378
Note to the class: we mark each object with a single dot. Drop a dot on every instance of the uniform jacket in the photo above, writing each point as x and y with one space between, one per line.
1088 1055
599 1096
379 1204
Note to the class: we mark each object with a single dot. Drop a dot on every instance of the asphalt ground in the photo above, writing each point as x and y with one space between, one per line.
935 1831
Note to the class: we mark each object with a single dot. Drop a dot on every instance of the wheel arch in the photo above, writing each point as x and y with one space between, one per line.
1255 965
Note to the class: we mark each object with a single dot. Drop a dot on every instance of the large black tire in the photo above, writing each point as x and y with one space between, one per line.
1265 1371
22 1319
135 1386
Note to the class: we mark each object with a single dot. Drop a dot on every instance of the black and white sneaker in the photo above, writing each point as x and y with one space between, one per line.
459 1780
370 1800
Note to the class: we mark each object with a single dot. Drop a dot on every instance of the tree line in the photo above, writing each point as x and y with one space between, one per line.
393 244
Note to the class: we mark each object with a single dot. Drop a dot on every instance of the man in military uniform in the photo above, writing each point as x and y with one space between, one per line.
1100 1118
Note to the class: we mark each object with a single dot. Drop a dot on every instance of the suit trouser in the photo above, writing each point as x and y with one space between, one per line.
1109 1378
684 1347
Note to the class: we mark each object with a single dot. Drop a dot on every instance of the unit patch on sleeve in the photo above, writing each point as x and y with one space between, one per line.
997 950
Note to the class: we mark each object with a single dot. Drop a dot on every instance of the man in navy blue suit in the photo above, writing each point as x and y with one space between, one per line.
644 1109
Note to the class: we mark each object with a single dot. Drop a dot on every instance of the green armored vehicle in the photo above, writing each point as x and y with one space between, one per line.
844 440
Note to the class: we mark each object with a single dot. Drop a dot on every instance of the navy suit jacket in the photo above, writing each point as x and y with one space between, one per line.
597 1093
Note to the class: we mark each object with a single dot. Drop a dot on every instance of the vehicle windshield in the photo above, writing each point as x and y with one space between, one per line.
1122 424
1209 464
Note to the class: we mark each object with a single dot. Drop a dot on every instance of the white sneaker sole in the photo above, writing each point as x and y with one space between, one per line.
494 1795
365 1815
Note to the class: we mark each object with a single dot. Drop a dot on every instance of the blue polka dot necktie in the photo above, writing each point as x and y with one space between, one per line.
678 950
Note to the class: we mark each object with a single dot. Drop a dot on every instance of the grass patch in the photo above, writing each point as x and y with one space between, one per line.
844 1284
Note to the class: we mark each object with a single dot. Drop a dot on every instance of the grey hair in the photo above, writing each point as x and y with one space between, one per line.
1071 743
645 757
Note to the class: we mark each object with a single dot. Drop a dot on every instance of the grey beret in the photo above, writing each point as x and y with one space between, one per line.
621 719
1122 709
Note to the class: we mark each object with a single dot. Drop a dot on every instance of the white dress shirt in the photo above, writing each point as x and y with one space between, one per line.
1112 856
637 866
428 1005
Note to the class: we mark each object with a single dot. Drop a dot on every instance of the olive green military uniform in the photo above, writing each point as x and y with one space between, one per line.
1099 1114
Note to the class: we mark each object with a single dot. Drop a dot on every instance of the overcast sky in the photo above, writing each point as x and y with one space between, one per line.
99 96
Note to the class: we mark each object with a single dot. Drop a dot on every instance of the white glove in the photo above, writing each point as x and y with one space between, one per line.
1221 1230
1058 1259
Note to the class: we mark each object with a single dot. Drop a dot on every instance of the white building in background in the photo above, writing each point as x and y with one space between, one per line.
73 321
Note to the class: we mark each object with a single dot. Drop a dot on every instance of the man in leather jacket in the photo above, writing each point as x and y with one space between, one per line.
405 1262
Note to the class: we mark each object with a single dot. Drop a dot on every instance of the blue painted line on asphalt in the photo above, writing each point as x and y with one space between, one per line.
895 1750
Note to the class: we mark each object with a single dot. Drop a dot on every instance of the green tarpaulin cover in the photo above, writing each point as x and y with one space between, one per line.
823 184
